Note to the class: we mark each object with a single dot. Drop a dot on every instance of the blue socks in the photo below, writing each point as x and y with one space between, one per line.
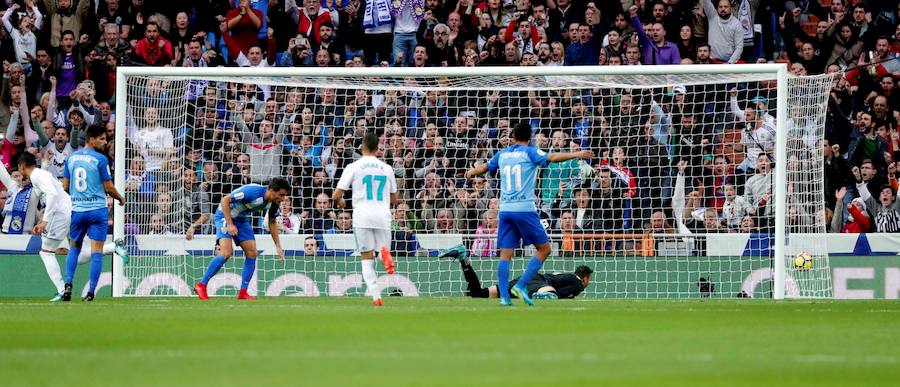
72 263
219 261
503 279
247 272
213 268
533 266
96 268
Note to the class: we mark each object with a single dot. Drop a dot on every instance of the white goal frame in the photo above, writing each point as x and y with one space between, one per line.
779 72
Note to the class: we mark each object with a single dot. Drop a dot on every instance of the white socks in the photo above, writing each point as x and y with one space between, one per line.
52 266
368 272
84 255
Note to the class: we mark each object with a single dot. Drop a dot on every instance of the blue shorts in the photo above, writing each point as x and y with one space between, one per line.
517 229
244 230
92 223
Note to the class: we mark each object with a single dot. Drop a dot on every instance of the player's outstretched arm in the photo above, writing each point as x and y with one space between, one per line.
565 156
477 171
110 188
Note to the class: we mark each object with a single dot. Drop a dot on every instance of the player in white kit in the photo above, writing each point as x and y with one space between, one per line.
53 226
373 184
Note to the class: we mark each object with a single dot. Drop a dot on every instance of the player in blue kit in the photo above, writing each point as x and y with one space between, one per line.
87 180
519 222
234 226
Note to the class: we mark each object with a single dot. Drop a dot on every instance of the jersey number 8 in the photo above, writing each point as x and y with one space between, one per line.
80 179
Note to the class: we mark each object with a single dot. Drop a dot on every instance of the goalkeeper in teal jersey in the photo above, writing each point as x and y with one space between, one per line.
519 222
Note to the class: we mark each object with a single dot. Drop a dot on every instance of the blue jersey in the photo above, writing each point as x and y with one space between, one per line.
247 200
86 170
518 167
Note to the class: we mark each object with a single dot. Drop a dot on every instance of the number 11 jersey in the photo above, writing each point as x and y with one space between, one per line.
518 166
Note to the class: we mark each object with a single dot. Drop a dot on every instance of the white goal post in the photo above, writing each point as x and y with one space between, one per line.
527 78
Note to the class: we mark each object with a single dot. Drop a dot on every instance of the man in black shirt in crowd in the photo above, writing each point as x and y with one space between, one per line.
542 286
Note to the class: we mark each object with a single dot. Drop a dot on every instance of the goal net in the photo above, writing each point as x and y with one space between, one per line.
683 199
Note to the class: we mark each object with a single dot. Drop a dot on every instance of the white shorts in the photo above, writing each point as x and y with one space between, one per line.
57 231
371 239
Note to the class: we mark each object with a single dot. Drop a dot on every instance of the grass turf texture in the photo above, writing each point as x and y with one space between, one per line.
448 341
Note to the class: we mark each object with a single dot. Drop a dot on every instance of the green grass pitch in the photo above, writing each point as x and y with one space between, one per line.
448 342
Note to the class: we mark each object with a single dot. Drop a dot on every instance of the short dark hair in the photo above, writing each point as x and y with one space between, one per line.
880 190
278 184
67 32
95 131
370 141
522 132
583 271
27 159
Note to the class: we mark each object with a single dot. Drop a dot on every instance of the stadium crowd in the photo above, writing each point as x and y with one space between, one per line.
694 158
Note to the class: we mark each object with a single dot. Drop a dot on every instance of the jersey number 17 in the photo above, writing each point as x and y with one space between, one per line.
369 181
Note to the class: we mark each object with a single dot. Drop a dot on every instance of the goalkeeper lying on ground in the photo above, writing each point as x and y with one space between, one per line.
542 286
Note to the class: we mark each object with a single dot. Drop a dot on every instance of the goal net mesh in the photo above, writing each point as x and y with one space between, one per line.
678 202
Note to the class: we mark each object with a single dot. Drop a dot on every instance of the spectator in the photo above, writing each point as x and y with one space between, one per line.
726 36
195 205
57 149
153 49
64 17
321 218
608 196
758 138
886 208
659 224
858 220
404 219
261 144
866 145
68 67
24 40
153 141
735 208
583 51
758 188
112 43
288 221
310 246
443 223
656 49
343 224
486 245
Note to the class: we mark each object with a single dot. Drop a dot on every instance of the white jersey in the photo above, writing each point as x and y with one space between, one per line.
50 190
148 140
372 182
57 162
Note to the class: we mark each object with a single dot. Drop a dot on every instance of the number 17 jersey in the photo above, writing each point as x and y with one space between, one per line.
372 182
86 170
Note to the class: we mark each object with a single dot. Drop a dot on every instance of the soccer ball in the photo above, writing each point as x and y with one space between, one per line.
803 261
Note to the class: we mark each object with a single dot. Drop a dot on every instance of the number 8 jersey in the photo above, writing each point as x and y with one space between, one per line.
518 167
86 170
372 182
